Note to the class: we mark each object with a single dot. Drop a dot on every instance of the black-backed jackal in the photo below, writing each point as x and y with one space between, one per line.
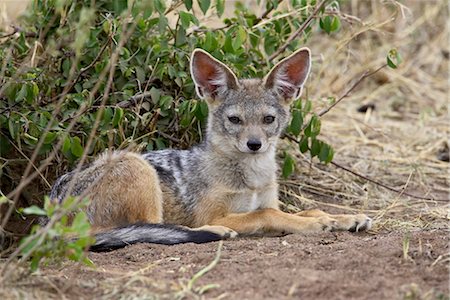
223 187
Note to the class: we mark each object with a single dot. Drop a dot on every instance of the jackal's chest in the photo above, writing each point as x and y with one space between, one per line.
251 200
254 175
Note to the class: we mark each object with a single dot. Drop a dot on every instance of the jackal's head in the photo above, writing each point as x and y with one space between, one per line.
248 115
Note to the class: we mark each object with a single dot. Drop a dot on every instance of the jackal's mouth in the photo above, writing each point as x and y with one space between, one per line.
250 152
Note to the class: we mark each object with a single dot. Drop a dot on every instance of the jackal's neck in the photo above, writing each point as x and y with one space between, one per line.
241 170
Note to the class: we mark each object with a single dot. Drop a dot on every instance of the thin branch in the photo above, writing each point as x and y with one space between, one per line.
133 99
400 191
357 82
298 31
169 137
17 29
85 69
266 13
383 185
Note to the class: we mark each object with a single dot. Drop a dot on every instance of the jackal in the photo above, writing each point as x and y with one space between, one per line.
225 186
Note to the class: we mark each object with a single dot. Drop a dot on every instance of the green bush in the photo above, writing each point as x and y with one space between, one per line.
67 235
122 64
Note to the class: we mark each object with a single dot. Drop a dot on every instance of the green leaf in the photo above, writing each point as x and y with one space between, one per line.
313 128
49 206
181 36
3 200
303 144
29 242
87 261
35 90
220 7
80 223
29 97
107 116
228 46
66 144
34 265
335 24
76 147
160 144
204 5
22 93
188 4
296 122
307 107
241 36
316 146
326 153
50 137
210 42
13 126
323 154
160 5
288 166
34 210
185 19
329 24
118 115
393 58
270 42
155 94
390 63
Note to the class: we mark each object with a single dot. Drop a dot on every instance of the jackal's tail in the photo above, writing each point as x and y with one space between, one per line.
150 233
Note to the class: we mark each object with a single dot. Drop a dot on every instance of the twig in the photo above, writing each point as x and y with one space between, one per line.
400 191
266 13
357 82
298 31
85 69
17 29
133 100
169 137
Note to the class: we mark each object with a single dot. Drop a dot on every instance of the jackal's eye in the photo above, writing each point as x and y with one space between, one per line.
234 120
268 119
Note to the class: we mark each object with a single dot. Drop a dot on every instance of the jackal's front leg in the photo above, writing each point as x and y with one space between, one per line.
271 220
353 223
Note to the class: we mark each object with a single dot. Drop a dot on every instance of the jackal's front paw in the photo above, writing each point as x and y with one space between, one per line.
327 223
354 223
224 232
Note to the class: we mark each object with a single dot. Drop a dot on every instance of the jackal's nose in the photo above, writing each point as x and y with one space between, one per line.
254 145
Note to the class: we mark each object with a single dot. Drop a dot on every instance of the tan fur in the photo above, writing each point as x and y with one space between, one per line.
127 192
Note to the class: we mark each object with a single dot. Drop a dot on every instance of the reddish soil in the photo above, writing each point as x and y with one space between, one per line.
325 266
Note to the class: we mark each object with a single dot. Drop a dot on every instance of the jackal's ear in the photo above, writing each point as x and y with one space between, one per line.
211 77
288 76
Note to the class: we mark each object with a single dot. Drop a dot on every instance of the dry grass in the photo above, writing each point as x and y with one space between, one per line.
396 144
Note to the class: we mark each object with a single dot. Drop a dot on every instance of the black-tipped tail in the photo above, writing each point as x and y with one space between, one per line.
150 233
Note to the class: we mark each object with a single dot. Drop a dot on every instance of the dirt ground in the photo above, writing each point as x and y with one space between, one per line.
326 266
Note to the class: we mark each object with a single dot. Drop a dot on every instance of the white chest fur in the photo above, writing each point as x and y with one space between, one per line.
259 171
251 200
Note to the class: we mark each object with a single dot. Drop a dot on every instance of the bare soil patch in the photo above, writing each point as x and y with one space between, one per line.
326 266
